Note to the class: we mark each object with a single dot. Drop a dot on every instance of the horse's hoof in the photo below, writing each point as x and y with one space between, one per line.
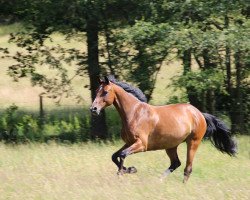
120 173
185 179
131 170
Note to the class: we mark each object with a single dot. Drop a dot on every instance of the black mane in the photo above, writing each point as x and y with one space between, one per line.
128 88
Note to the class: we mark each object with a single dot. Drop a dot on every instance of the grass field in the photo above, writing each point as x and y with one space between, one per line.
85 171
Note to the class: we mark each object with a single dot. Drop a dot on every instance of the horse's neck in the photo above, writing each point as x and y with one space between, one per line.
125 103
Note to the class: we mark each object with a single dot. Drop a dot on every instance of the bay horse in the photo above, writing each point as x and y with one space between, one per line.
146 127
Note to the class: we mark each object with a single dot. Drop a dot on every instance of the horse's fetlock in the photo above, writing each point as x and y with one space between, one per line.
175 165
178 163
187 172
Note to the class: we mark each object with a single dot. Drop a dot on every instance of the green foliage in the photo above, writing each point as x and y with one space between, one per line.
8 124
138 37
113 121
177 99
142 49
28 128
40 53
200 81
17 127
147 62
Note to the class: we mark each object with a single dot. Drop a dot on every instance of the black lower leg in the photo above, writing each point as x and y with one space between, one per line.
174 165
122 169
116 155
121 163
115 159
174 159
175 162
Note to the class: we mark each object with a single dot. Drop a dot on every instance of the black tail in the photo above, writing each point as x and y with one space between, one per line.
220 135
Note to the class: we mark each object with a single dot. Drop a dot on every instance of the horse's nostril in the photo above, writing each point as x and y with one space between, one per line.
93 108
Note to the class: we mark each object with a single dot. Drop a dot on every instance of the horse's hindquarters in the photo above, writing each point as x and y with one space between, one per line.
175 124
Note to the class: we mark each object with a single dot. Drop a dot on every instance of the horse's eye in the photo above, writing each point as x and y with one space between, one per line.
105 92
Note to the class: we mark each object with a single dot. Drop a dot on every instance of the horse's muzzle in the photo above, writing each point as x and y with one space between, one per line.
94 111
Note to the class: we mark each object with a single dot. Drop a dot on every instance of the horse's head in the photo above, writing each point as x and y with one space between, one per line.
105 96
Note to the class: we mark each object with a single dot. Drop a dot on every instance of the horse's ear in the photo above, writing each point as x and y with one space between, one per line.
106 80
100 81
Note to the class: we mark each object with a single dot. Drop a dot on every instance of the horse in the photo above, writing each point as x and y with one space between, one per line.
147 127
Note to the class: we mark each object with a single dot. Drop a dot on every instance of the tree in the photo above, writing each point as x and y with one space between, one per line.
213 34
70 18
141 62
42 19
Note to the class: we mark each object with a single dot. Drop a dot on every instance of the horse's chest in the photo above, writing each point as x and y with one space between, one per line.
140 125
128 137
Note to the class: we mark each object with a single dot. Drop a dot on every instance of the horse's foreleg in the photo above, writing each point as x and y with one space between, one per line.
116 155
134 148
174 159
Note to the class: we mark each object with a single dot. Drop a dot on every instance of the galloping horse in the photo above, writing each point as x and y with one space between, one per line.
146 127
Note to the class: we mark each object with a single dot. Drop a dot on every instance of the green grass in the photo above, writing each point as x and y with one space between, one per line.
85 171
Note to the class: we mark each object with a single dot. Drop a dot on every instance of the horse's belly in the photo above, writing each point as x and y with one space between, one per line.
158 141
169 132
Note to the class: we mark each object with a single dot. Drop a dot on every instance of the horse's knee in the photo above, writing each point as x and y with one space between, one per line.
124 153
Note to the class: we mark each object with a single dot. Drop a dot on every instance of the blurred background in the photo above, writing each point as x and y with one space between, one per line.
175 51
52 52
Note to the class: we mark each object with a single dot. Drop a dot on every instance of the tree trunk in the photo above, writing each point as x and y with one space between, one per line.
98 123
210 101
228 61
143 74
237 117
210 94
192 96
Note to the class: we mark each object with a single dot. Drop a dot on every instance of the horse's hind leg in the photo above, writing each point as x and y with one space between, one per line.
174 159
192 145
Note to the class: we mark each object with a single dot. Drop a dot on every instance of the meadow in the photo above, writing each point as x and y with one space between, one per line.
85 171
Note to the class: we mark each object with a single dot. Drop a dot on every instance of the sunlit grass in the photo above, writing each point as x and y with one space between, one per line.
10 28
85 171
22 93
